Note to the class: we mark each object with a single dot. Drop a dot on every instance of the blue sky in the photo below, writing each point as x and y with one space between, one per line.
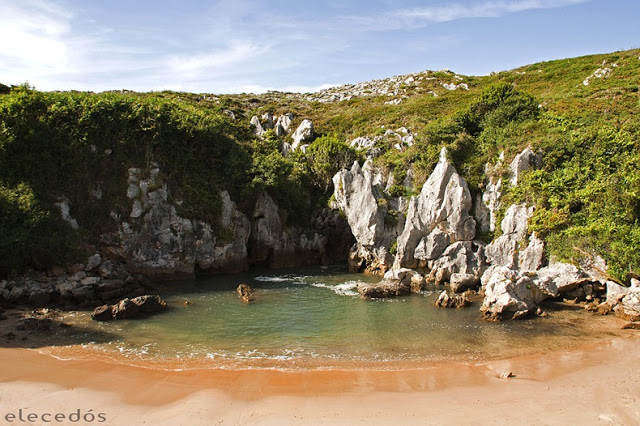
233 46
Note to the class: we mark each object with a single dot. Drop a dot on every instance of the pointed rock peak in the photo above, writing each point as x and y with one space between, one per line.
355 168
526 160
368 165
443 155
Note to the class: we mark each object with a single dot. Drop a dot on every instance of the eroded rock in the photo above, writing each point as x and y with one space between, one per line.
138 307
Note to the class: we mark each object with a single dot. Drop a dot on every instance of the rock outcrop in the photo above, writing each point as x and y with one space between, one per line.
452 301
138 307
436 218
246 293
303 133
157 242
359 194
100 281
396 282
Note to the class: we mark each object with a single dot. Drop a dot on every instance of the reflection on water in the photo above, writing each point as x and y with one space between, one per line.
315 314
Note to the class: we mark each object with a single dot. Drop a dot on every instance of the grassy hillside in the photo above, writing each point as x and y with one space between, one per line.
55 145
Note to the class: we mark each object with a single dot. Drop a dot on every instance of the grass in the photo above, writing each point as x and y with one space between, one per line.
587 193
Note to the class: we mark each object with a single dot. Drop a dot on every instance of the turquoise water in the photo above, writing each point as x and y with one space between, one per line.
314 315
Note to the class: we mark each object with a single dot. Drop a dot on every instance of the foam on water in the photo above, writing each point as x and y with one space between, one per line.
348 288
272 279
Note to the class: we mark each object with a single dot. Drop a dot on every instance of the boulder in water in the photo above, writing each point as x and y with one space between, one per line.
138 307
452 301
246 293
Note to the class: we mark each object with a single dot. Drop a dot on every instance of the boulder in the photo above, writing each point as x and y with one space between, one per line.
504 250
396 282
103 313
452 301
558 278
628 307
267 119
246 293
257 127
383 290
303 133
93 262
531 258
283 125
463 257
615 293
526 160
138 307
460 283
507 296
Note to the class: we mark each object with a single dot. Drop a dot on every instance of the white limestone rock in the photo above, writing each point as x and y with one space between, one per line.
444 202
258 130
526 160
304 132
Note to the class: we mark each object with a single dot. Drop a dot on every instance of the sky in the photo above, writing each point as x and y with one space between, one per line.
235 46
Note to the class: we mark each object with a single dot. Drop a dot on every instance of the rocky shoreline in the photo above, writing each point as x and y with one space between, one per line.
431 238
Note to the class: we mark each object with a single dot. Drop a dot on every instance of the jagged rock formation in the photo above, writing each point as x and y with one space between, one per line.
100 281
436 239
281 125
158 242
398 87
452 301
436 236
359 194
437 217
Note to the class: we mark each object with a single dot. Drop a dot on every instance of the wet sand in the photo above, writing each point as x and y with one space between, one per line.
595 384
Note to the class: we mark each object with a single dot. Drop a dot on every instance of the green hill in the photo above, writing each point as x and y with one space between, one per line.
581 114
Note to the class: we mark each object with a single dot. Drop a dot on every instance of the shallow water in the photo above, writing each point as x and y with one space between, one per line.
314 316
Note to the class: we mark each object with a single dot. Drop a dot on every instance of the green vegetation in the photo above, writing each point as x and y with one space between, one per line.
587 194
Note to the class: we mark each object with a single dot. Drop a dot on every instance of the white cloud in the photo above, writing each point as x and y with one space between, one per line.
455 11
198 64
231 47
33 37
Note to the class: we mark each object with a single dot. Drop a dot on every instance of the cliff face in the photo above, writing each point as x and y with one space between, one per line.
435 238
434 232
156 241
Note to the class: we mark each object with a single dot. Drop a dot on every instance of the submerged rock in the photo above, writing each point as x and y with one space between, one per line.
452 301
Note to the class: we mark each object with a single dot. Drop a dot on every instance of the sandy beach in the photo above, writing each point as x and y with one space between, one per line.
597 384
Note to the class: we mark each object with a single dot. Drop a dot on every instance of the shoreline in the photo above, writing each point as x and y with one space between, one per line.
598 383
